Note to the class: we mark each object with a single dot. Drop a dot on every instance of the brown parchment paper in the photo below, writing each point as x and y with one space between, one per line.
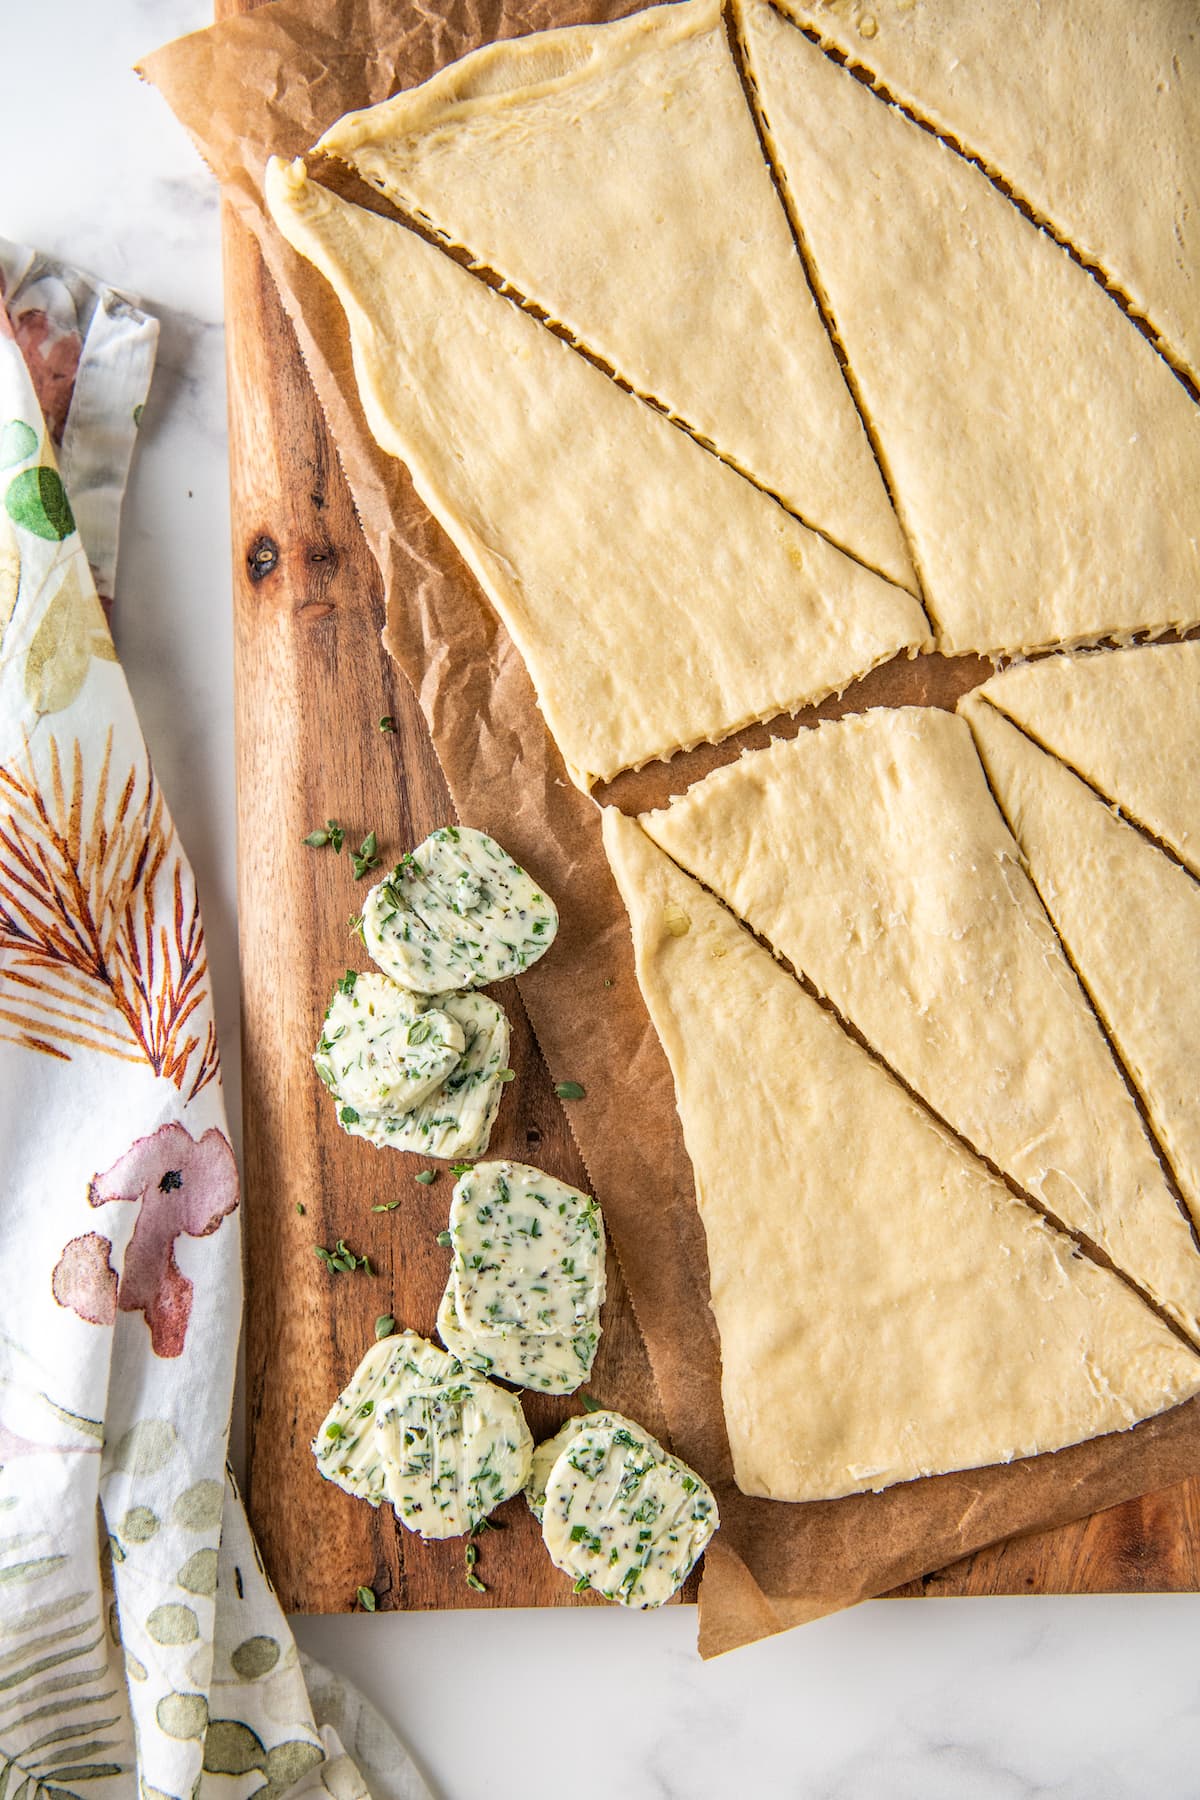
271 82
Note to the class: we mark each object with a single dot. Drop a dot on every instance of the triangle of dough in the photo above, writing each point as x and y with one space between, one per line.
612 173
1044 460
870 853
1129 917
657 598
1088 109
1128 721
886 1308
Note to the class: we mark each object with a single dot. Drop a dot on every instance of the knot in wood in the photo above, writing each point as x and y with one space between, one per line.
262 558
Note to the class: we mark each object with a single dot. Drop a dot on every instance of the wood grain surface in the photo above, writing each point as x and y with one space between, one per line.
312 681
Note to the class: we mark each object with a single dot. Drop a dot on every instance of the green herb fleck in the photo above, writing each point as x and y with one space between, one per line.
385 1206
348 1116
387 723
427 1177
473 1581
355 923
334 1430
444 1239
366 856
346 984
570 1090
458 1169
384 1326
366 1599
331 834
590 1404
581 1584
343 1259
300 1208
506 1074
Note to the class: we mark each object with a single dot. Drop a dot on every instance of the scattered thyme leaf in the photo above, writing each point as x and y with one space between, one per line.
570 1090
366 1599
444 1239
427 1177
385 1206
590 1404
316 840
366 856
473 1581
387 723
506 1074
300 1208
472 1555
384 1326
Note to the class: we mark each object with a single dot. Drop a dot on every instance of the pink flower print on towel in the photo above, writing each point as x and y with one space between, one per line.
183 1186
85 1280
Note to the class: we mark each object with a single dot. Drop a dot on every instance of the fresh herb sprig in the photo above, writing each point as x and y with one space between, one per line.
366 857
341 1260
330 833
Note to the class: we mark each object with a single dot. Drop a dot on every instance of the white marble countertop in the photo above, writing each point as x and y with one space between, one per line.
1088 1699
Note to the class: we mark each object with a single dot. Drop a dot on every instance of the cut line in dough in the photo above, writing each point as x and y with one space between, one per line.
1129 919
886 1308
612 174
1044 459
1128 723
870 853
1068 106
657 598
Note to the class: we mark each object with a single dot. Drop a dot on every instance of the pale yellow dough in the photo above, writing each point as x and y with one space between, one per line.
1128 721
1044 459
1088 109
886 1308
1129 917
870 853
657 597
612 174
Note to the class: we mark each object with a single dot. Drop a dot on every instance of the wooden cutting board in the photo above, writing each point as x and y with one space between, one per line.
312 682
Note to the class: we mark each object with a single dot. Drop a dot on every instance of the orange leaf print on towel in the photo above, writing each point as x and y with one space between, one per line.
100 939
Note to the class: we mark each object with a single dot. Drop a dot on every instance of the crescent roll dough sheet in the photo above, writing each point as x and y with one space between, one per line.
886 1308
1129 917
1044 459
870 853
657 597
1071 104
1128 721
613 174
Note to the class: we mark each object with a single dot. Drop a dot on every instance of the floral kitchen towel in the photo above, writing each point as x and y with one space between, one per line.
142 1651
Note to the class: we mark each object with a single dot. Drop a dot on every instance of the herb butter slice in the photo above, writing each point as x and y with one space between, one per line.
456 1119
547 1454
383 1050
452 1446
554 1364
528 1252
623 1516
457 912
347 1447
